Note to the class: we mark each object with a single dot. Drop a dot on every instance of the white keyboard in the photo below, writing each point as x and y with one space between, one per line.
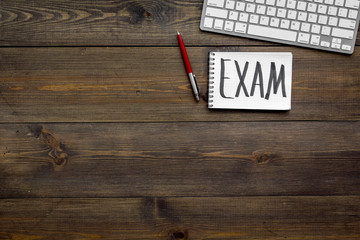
330 25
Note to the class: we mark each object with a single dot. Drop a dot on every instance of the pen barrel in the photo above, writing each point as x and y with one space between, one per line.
184 54
194 86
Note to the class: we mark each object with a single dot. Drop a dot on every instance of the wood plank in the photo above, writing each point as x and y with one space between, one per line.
295 218
104 23
179 159
119 85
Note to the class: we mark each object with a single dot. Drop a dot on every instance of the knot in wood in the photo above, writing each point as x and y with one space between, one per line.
137 12
55 146
263 157
147 14
179 235
61 159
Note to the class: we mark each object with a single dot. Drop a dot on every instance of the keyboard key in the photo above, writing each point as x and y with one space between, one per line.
322 9
271 11
240 6
353 14
208 22
264 20
335 45
332 11
250 7
339 3
346 23
330 2
215 12
315 40
325 30
261 9
281 3
254 18
281 13
304 38
216 3
301 6
274 22
230 4
346 47
342 12
352 4
325 44
219 23
315 28
305 27
274 33
336 40
323 19
233 15
244 17
295 25
291 4
270 2
312 18
302 16
312 7
229 26
292 14
342 33
240 27
285 23
333 21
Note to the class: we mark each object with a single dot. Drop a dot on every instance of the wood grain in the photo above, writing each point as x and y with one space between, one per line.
273 218
107 22
120 85
101 138
179 159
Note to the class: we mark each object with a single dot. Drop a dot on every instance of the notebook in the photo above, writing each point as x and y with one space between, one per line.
256 80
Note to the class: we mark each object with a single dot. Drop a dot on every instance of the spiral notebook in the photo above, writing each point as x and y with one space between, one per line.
256 80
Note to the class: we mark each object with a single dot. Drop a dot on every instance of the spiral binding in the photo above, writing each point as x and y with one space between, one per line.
211 78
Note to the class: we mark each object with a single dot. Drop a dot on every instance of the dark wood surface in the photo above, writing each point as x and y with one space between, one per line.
101 138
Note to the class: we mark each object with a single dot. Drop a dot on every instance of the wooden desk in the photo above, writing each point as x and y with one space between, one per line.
101 138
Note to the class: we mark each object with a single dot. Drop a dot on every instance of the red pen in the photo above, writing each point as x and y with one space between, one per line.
188 68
